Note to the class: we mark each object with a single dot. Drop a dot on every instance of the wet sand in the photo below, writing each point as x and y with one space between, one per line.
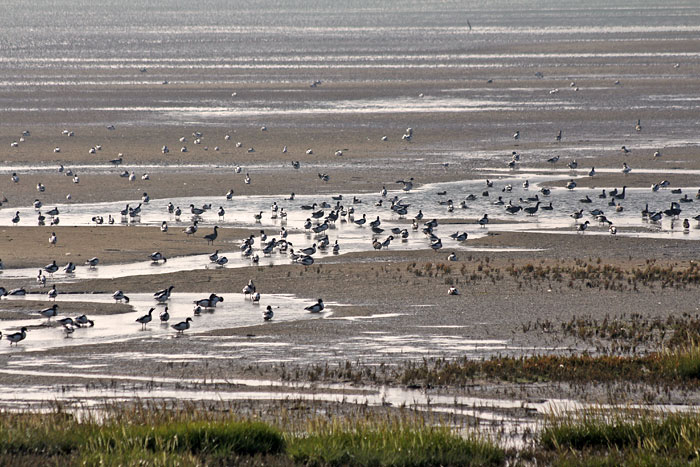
383 312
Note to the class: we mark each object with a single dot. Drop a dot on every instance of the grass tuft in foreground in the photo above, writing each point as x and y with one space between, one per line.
622 439
134 436
391 444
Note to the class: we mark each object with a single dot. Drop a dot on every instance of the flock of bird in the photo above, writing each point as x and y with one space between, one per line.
161 297
321 219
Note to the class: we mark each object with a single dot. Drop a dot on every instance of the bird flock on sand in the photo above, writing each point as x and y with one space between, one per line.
321 217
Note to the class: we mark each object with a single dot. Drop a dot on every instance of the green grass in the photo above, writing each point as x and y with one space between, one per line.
622 439
161 437
391 444
678 367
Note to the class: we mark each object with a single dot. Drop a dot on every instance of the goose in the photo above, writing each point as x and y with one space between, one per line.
591 173
68 324
309 250
598 212
191 230
361 221
336 248
686 224
677 191
558 137
15 177
585 200
526 184
573 164
53 293
171 207
624 149
548 208
164 227
182 326
268 313
196 211
664 183
15 219
51 267
214 256
158 256
577 214
17 292
119 296
553 159
163 294
387 242
436 245
582 227
511 209
571 185
655 217
674 211
317 214
41 278
249 289
209 302
53 239
545 191
603 220
50 312
258 217
621 195
221 261
178 211
626 168
212 236
145 319
685 199
16 337
69 268
407 184
460 237
53 212
602 195
92 262
305 260
531 211
316 307
375 223
296 165
83 320
320 228
164 315
125 212
483 221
